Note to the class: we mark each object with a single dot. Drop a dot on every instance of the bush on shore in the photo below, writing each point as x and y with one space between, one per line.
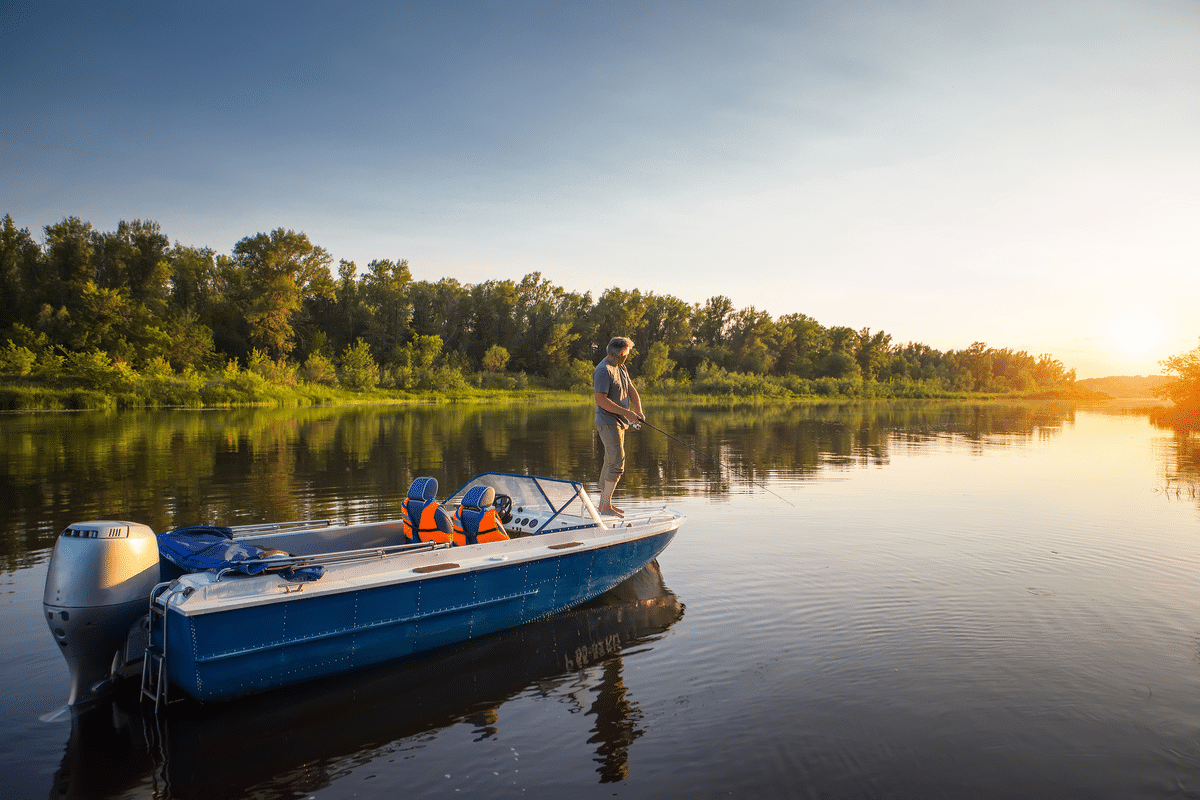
94 380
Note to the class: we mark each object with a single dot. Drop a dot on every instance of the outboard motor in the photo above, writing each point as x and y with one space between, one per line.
97 589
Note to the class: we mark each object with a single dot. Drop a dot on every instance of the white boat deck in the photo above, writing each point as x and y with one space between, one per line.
356 569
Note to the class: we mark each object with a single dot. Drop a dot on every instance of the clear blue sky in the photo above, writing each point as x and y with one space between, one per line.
1023 174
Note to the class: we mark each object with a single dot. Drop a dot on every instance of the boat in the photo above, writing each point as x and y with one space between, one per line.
199 749
304 600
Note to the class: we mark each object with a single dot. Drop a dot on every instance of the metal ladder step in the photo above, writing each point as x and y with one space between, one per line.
154 673
154 686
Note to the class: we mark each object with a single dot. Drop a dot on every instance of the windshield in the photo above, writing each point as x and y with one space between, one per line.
531 493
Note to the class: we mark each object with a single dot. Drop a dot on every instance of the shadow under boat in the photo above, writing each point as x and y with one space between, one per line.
200 750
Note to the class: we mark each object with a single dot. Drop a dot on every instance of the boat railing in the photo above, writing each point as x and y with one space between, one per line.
273 563
582 494
645 517
244 531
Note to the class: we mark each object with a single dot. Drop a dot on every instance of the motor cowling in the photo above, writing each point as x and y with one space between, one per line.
99 582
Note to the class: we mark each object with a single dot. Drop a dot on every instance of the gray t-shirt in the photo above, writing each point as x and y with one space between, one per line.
611 380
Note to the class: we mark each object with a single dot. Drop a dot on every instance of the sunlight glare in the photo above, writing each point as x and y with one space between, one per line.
1136 332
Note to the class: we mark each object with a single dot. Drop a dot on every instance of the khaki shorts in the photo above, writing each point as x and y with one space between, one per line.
613 437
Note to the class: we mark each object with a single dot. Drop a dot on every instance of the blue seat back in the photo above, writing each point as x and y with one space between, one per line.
479 497
475 503
423 489
421 493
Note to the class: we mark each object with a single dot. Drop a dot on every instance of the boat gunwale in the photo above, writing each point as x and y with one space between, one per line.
210 595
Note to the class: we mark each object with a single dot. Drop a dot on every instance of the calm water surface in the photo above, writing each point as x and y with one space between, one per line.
936 601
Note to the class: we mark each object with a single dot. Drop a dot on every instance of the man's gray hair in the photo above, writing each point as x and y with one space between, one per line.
618 345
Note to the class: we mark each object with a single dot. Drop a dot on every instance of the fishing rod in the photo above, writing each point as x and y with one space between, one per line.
714 459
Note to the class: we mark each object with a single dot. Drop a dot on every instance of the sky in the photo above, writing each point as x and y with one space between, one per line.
1021 174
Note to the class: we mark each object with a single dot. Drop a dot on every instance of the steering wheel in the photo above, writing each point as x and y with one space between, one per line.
503 506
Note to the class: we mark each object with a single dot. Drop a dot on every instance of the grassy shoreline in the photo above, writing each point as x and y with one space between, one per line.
18 396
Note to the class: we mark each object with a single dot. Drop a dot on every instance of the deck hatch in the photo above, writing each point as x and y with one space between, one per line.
436 567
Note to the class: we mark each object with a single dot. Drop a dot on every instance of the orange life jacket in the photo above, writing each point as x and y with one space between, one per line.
427 527
474 526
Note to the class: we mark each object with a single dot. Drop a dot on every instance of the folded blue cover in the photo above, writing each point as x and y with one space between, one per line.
201 548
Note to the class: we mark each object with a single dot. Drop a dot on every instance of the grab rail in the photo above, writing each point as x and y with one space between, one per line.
155 683
340 557
241 531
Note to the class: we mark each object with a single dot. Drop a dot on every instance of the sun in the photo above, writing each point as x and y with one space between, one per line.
1135 332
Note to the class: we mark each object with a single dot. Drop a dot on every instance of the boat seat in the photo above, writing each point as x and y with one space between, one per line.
476 520
424 518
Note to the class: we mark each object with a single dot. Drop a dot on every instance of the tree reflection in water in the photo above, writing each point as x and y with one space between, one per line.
1181 459
173 468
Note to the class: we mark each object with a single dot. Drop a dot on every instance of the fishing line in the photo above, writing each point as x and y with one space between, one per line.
714 459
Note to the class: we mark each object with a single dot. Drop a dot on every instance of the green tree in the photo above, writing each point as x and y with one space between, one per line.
668 320
319 369
1184 388
843 340
493 318
918 362
226 316
101 320
343 317
575 375
278 372
440 309
1049 371
194 278
416 362
752 337
283 267
803 341
189 342
656 365
135 258
711 322
16 359
543 340
619 313
495 359
68 261
873 352
838 364
385 298
976 360
19 257
838 358
556 351
358 371
96 370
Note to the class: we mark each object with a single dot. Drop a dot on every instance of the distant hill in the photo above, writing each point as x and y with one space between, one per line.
1123 385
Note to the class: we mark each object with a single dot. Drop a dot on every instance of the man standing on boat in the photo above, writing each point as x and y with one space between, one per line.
617 407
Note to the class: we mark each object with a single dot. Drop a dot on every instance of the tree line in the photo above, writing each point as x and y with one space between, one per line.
1182 388
277 307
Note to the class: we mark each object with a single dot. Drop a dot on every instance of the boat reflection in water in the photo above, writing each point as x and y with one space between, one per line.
289 740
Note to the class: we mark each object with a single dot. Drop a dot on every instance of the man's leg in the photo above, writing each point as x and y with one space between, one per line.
613 438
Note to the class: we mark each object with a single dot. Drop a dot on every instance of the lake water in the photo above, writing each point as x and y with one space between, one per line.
932 600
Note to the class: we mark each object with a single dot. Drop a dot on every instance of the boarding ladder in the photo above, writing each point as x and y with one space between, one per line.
154 665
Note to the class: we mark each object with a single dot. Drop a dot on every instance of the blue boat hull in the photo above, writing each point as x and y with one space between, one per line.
265 646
